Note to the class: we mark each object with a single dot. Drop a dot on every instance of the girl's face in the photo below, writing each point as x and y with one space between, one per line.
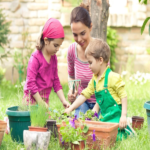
52 47
94 64
81 33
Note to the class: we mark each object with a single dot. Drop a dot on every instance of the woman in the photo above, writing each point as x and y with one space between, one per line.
78 67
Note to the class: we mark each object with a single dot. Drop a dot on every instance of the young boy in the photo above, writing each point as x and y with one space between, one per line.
108 86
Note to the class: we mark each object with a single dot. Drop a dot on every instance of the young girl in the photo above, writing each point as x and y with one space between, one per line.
109 89
42 72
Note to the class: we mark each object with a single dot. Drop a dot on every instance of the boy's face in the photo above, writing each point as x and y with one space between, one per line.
94 64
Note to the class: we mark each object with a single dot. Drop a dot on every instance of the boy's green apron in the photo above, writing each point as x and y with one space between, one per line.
110 110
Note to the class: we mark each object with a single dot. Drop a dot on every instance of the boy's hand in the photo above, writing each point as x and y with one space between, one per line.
123 122
66 104
68 111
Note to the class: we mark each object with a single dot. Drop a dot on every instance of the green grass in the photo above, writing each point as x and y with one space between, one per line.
137 96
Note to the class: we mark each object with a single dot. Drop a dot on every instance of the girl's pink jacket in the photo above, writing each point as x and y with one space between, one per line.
41 77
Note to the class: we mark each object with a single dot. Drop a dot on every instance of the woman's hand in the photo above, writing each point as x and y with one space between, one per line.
123 122
72 97
66 104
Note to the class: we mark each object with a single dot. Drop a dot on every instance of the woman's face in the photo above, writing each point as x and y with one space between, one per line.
81 33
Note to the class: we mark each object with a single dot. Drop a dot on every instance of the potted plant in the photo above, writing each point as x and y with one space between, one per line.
72 135
19 120
37 134
38 115
100 135
55 116
59 117
89 115
3 126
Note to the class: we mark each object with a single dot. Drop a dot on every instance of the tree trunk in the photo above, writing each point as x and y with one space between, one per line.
99 12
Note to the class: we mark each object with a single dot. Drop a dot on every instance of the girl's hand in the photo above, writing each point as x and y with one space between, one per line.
123 122
66 104
72 97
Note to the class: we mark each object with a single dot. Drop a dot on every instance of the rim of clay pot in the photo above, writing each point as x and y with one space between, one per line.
3 125
38 129
95 125
137 118
3 122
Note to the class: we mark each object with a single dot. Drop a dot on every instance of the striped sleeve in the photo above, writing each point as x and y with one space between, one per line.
70 60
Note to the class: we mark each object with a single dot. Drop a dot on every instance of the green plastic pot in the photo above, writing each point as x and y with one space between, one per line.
18 121
147 107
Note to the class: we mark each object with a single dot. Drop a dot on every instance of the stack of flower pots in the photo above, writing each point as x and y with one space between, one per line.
3 126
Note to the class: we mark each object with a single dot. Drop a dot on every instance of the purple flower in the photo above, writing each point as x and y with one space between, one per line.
72 123
93 135
62 141
95 114
75 118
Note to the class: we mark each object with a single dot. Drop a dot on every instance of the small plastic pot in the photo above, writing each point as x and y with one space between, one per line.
51 125
137 122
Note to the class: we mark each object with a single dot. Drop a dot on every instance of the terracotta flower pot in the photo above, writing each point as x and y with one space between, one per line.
38 129
78 147
137 122
105 134
3 126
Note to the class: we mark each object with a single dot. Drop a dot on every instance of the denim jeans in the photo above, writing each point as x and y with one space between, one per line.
84 107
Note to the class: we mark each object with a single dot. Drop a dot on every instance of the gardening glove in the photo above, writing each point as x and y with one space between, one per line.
123 122
72 97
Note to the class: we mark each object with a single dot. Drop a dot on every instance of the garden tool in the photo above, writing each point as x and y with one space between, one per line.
74 84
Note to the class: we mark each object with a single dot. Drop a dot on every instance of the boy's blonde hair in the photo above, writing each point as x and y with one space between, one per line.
98 48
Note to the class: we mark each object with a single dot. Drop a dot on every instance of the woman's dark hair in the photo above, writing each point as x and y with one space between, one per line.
81 14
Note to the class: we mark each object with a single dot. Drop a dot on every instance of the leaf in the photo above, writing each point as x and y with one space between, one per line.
76 142
144 24
85 129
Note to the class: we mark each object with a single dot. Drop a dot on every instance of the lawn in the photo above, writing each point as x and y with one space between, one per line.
138 94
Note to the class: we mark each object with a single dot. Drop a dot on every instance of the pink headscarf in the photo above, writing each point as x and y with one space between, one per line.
53 29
